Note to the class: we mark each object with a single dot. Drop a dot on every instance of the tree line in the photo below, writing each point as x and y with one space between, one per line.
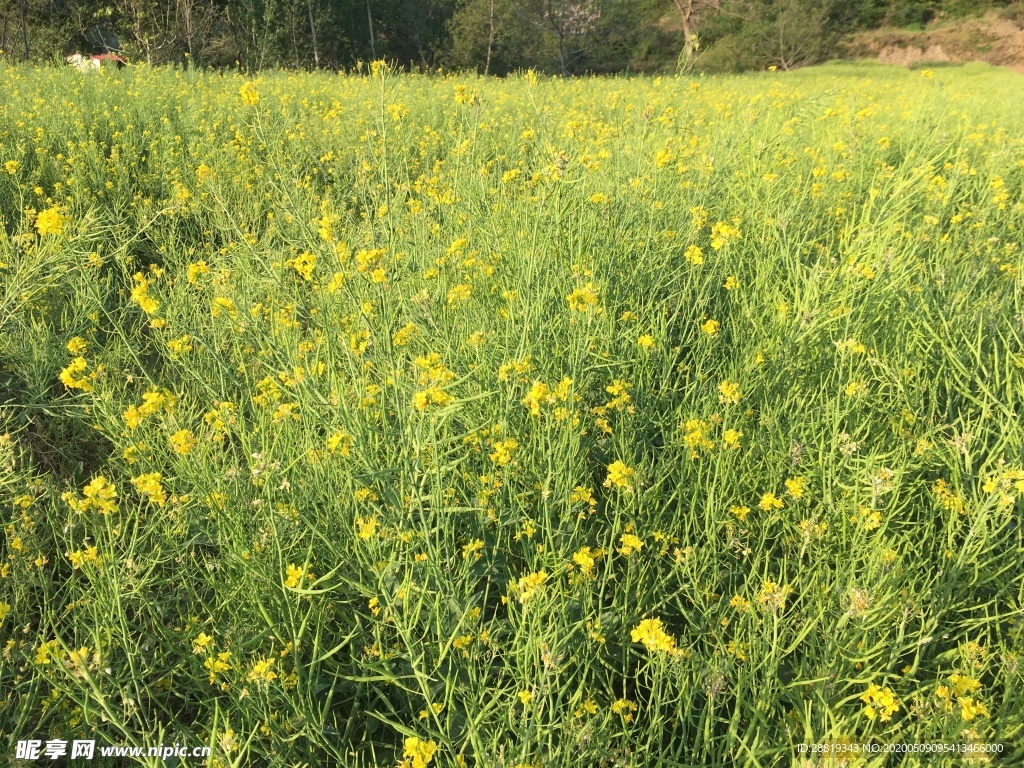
489 36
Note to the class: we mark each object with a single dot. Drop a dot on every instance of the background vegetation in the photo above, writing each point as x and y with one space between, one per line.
461 421
492 36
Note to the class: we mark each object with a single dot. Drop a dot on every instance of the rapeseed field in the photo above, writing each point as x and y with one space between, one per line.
385 419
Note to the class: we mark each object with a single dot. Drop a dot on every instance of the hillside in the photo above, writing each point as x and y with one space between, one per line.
995 38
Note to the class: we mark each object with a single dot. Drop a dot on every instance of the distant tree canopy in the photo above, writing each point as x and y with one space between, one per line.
489 36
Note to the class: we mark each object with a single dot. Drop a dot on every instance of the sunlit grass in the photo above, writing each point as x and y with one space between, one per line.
526 422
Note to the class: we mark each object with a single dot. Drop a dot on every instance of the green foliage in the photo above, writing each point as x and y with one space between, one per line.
493 36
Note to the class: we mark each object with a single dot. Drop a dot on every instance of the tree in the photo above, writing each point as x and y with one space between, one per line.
690 12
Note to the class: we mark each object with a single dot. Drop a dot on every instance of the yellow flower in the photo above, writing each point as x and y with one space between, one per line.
525 697
140 294
218 664
152 402
731 438
502 454
646 341
180 346
340 442
740 603
740 513
45 651
367 528
729 392
303 264
737 649
625 709
851 346
432 395
796 487
871 519
629 543
618 475
201 643
404 334
77 345
772 595
856 388
584 299
697 436
71 377
694 255
51 221
223 305
12 166
584 558
539 393
5 608
969 708
183 441
80 557
417 753
711 327
249 94
722 233
530 585
731 283
294 576
459 293
262 671
195 271
99 494
472 549
651 632
149 485
881 702
770 501
963 684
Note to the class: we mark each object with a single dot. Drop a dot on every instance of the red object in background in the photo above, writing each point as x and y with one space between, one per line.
109 58
94 61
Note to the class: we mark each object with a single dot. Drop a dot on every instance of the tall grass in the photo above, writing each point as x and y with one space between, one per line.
364 419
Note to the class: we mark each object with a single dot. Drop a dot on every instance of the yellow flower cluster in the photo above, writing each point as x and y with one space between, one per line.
729 392
303 264
530 586
294 576
51 221
651 632
140 294
99 494
417 752
150 486
72 378
962 688
182 441
585 299
881 703
1007 484
619 476
541 394
86 556
152 402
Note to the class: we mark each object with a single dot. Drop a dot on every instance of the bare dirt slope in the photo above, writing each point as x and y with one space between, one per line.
990 38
